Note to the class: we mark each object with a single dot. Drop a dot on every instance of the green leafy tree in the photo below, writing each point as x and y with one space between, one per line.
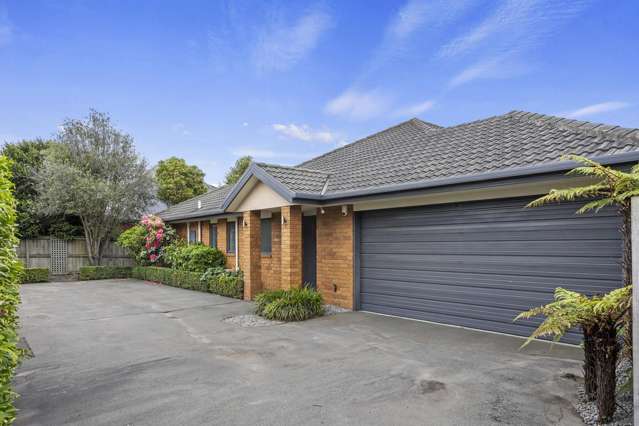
611 188
93 172
10 271
178 181
599 318
26 158
238 169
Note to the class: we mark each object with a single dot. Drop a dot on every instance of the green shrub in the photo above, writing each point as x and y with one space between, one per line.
193 257
104 272
298 304
10 272
133 240
228 284
34 275
262 300
223 282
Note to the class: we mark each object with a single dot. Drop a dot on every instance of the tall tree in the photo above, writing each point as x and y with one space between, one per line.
238 169
26 160
178 181
94 172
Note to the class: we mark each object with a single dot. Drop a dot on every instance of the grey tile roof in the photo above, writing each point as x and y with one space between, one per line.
211 203
415 151
297 179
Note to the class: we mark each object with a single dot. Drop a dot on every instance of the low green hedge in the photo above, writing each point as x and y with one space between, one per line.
297 304
224 284
34 275
104 272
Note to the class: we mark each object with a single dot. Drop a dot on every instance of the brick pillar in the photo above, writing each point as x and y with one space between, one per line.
291 253
250 256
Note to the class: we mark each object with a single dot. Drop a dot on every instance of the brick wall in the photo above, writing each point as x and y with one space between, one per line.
271 270
291 242
250 259
335 256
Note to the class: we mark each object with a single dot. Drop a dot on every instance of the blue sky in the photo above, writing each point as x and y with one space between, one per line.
284 81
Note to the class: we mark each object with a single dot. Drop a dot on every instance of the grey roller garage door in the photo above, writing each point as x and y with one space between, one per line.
479 264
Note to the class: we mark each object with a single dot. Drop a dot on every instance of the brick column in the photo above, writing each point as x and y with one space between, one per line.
291 253
250 256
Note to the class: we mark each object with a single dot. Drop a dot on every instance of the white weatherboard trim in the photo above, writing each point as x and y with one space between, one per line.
635 304
472 329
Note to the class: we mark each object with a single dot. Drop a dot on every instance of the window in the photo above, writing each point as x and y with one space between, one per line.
230 237
265 230
213 235
192 236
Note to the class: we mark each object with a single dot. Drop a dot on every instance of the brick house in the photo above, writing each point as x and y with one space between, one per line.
423 221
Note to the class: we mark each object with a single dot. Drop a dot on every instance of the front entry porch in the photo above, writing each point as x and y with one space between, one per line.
294 245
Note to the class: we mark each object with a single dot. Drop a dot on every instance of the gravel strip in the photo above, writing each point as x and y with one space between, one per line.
334 309
250 320
623 414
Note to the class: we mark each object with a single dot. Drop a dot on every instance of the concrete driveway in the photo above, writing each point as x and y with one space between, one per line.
126 352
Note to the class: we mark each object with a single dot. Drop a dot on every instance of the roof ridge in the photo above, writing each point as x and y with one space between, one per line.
260 163
588 128
410 121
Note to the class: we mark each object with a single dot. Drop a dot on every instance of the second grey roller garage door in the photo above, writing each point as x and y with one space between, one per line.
479 264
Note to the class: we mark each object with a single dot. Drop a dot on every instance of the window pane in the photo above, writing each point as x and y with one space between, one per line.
192 236
213 235
230 237
265 228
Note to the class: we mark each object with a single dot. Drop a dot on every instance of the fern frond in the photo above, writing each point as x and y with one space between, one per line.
596 205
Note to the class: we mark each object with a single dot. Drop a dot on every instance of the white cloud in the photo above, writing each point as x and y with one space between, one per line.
597 109
282 45
262 153
516 25
245 124
493 68
416 109
358 105
415 15
180 129
6 29
304 133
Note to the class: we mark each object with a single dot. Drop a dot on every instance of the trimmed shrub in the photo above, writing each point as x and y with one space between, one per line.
228 284
193 257
297 304
34 275
104 272
10 272
223 282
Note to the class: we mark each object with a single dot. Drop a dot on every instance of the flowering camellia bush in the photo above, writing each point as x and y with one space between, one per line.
147 240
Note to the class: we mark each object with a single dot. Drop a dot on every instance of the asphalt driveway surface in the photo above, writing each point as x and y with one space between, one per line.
126 352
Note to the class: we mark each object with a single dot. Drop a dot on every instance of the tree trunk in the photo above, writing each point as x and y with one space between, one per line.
626 266
606 352
590 365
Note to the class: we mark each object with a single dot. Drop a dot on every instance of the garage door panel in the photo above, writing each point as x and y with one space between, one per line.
600 268
443 307
587 248
518 328
556 232
479 264
545 285
494 217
